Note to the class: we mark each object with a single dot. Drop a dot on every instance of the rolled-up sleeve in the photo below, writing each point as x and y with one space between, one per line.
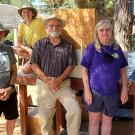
88 56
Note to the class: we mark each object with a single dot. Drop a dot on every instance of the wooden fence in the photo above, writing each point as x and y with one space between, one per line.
80 25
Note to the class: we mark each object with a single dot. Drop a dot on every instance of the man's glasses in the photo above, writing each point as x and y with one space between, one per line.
52 26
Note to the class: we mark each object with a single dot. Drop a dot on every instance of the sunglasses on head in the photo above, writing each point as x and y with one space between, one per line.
108 58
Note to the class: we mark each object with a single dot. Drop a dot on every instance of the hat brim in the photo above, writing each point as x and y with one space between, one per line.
63 22
34 11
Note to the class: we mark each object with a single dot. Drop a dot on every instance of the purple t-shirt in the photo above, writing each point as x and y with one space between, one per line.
104 68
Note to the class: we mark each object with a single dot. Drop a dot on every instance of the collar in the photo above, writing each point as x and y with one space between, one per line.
48 41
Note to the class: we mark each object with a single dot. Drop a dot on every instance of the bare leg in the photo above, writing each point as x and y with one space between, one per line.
10 127
106 125
94 120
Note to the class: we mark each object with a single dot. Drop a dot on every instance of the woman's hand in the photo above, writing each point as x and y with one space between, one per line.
124 96
88 97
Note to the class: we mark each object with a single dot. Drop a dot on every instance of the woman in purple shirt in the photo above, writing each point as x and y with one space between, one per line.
103 65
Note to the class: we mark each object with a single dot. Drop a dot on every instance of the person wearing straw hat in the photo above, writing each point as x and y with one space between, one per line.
53 59
8 71
29 31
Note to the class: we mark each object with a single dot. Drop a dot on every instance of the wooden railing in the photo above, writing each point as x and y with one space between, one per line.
76 83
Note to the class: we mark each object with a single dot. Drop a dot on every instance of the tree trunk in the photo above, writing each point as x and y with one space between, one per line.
56 1
123 23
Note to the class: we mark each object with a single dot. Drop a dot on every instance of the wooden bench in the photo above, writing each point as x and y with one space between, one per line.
76 83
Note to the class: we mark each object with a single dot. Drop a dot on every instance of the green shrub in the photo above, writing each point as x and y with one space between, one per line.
133 42
10 36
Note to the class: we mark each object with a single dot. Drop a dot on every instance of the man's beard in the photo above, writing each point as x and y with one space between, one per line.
54 34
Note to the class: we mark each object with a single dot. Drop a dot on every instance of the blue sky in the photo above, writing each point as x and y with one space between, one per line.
38 2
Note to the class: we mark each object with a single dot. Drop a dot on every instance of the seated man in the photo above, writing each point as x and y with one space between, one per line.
53 59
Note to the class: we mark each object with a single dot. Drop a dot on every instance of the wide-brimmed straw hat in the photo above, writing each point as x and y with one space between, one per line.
54 17
34 11
4 29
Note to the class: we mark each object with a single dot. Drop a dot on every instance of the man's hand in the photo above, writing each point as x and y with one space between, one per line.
21 52
47 80
1 93
54 83
5 93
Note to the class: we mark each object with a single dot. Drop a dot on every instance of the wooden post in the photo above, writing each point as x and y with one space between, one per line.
76 83
23 109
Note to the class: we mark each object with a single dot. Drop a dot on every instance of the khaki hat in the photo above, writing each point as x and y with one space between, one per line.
54 17
34 11
4 29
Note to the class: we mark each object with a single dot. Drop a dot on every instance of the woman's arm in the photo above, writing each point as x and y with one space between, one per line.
6 92
124 89
87 91
21 50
